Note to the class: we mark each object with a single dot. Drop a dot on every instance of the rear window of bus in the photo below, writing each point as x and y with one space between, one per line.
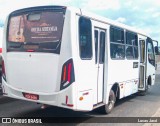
38 31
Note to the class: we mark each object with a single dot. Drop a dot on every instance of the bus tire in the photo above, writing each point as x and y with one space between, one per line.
143 93
111 101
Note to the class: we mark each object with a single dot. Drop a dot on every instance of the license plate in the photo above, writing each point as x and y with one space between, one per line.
31 96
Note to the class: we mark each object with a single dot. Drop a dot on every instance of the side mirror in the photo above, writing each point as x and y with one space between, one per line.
156 50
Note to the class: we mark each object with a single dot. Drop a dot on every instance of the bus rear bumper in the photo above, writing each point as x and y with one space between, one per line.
62 98
67 98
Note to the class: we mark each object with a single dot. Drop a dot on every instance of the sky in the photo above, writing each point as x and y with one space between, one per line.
141 14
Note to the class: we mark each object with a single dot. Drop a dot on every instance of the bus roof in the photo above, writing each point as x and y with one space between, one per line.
96 17
107 21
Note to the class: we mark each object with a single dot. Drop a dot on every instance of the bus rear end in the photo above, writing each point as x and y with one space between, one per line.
34 67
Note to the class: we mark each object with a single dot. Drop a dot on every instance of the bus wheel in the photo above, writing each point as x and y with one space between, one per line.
143 93
108 107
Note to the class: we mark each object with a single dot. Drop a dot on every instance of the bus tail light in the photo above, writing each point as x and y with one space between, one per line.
3 70
67 76
0 50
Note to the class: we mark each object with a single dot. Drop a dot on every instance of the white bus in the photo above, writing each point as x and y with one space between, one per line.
67 57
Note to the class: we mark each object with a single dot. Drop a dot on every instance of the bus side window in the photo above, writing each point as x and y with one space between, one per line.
85 38
117 45
129 52
117 51
131 45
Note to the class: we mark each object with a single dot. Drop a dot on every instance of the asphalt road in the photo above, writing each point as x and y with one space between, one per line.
132 106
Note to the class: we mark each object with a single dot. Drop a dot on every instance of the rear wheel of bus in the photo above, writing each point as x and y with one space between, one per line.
107 108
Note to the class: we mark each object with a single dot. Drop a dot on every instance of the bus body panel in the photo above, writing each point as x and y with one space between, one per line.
119 71
33 71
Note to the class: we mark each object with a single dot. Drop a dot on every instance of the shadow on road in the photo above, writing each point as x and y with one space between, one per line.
126 99
4 100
